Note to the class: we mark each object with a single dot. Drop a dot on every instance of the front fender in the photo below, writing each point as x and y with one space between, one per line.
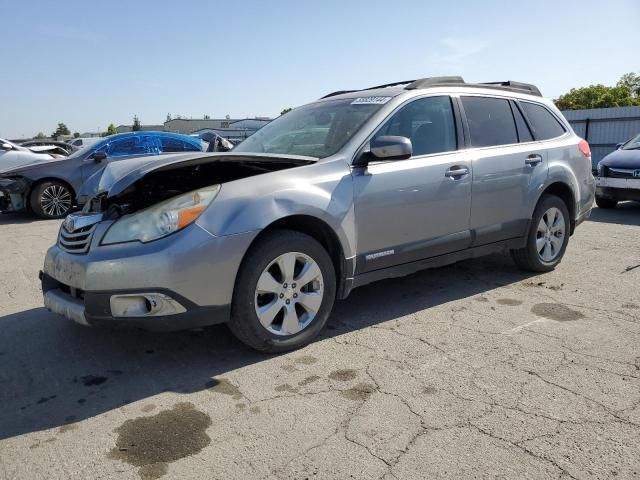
322 190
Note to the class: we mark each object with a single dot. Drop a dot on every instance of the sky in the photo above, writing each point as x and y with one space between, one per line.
89 64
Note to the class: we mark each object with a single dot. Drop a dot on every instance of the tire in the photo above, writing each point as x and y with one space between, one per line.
261 263
530 257
52 199
605 202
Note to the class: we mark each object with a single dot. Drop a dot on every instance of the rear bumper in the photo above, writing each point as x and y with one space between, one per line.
94 309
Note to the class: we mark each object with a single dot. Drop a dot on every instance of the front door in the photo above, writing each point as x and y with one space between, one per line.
408 210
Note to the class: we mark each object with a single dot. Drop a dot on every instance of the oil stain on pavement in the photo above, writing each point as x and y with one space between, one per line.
343 375
556 311
153 442
224 386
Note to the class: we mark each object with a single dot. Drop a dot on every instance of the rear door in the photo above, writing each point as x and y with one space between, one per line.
507 165
408 210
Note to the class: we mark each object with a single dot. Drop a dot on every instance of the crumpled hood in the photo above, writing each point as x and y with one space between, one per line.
622 159
116 176
19 166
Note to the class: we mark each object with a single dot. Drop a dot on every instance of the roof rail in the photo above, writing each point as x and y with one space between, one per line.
514 86
434 82
452 81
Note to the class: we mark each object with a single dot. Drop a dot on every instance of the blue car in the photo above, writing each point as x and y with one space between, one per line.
619 175
48 187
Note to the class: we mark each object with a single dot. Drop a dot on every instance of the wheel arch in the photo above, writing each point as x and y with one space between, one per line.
565 193
324 234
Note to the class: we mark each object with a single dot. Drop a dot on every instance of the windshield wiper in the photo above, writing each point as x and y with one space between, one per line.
632 148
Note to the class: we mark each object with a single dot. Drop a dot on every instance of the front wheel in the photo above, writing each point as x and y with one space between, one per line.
284 292
51 199
547 238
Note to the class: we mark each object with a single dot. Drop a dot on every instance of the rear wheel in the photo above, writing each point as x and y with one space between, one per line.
284 292
547 238
51 199
605 202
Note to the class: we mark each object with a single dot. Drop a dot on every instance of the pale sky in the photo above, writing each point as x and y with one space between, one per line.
89 64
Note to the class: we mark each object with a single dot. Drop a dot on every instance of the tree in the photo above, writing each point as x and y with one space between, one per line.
286 110
136 124
168 117
111 130
626 93
76 134
61 130
207 117
40 135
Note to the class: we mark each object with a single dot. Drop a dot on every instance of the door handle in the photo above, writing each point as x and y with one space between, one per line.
533 160
456 172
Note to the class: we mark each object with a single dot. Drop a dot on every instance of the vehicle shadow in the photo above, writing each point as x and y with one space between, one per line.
626 213
55 372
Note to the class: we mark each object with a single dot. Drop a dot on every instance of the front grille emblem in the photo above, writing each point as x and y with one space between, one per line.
69 223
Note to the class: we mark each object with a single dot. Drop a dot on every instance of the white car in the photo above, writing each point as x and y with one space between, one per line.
14 156
83 141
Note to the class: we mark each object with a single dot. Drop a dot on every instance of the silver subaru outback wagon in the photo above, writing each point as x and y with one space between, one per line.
355 187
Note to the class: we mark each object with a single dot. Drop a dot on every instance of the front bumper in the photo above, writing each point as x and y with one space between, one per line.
13 193
192 268
618 188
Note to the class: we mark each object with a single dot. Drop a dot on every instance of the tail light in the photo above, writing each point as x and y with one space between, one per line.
585 149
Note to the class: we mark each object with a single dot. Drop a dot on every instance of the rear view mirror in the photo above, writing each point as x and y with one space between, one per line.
99 157
391 148
618 145
6 146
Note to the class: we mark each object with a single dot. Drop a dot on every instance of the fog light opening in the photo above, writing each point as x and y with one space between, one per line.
144 305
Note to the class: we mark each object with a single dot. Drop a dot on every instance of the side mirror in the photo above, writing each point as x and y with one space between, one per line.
618 145
391 148
99 157
6 146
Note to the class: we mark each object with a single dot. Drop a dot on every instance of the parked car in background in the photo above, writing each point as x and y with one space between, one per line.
388 181
49 188
84 141
619 175
14 156
53 146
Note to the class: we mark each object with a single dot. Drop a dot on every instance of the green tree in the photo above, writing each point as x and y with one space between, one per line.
61 130
111 130
286 110
626 93
136 124
40 135
76 134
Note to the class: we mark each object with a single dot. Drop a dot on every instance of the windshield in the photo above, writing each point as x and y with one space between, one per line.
316 130
633 144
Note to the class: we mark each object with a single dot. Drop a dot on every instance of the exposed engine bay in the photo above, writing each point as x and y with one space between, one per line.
173 180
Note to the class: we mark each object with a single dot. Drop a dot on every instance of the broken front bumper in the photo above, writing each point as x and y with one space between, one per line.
13 193
182 281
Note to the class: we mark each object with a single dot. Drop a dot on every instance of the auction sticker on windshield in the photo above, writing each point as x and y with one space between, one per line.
371 100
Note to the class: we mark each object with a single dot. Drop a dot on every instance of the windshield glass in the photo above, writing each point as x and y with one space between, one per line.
316 130
633 144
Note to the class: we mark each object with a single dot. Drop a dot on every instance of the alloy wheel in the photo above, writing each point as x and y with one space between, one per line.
289 293
550 235
55 200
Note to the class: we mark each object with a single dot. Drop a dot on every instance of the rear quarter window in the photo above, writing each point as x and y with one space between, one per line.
543 123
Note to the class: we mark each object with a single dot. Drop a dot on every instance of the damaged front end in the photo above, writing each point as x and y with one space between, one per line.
13 193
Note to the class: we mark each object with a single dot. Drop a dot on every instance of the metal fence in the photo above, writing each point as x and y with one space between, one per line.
604 128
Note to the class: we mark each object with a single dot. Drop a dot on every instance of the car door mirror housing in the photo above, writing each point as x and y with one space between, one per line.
619 145
99 157
391 147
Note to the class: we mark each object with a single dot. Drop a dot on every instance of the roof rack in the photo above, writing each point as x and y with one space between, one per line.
452 81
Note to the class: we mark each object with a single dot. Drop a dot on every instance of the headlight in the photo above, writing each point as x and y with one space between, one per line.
161 219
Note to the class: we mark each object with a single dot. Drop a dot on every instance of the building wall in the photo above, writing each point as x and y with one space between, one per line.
604 128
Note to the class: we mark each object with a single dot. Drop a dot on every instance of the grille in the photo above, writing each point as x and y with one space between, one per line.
78 241
620 172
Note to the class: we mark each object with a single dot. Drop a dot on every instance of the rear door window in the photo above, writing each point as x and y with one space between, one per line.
544 124
490 121
170 145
